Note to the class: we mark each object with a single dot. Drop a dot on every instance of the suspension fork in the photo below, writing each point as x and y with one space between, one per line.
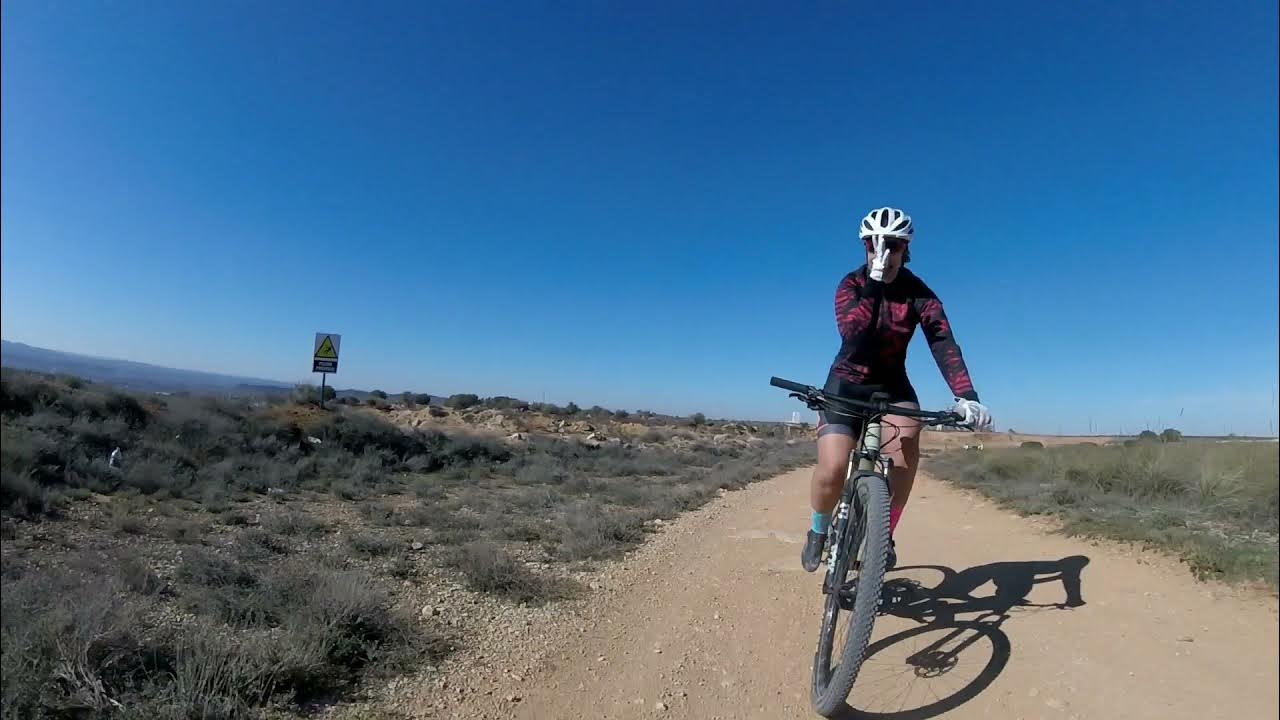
869 451
863 458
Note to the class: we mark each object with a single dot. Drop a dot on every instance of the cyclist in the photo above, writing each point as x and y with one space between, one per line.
878 307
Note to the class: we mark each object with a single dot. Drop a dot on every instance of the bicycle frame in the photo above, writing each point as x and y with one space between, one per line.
864 458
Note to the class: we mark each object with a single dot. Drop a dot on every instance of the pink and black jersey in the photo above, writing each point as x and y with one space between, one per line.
876 322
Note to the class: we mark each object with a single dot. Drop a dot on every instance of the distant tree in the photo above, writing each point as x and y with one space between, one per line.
697 419
572 408
1170 436
378 394
422 398
502 402
621 414
406 397
462 401
1148 435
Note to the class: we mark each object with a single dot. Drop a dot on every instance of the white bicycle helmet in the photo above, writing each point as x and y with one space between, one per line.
887 221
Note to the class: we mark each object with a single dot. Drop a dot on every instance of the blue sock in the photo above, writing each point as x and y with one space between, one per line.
819 522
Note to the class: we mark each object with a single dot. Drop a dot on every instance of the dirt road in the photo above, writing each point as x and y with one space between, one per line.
714 619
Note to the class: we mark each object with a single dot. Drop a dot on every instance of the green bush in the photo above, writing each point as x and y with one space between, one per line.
82 635
502 402
1170 436
487 568
378 394
310 394
462 401
371 544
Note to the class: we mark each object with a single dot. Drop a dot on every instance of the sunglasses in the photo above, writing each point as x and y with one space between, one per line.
892 244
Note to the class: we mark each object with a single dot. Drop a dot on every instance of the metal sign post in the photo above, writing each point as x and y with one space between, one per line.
324 359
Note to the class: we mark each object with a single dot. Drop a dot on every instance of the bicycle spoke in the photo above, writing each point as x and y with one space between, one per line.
887 688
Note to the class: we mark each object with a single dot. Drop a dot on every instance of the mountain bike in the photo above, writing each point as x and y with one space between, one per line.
858 540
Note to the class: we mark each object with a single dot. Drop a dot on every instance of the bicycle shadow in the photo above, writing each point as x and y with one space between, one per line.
956 625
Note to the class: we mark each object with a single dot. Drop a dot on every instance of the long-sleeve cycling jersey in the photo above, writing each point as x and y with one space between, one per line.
876 322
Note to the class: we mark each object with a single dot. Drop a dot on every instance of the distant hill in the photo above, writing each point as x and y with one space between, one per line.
132 375
144 377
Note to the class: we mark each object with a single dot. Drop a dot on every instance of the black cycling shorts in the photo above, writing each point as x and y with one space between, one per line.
898 388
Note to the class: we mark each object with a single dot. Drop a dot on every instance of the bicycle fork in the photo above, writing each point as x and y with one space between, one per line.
839 520
864 459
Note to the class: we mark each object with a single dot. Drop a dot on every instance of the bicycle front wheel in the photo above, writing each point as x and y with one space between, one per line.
854 580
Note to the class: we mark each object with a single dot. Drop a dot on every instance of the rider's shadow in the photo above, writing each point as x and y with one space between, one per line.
957 627
953 596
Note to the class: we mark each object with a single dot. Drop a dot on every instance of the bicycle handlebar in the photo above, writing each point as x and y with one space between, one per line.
817 399
792 386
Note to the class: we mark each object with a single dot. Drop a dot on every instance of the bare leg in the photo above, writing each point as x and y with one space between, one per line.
824 492
902 443
828 476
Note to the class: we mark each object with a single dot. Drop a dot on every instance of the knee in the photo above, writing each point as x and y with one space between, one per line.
829 475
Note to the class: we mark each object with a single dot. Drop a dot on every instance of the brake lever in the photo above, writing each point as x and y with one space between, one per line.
810 401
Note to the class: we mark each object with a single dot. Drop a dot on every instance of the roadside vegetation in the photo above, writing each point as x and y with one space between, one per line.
1213 504
169 556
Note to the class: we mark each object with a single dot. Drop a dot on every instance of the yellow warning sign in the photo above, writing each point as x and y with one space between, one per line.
324 357
326 350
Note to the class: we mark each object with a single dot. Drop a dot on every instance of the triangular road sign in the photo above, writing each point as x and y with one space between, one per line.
326 350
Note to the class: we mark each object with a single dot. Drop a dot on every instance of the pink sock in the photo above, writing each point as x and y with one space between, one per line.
895 514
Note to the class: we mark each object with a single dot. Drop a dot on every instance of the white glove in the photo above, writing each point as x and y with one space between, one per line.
976 415
879 258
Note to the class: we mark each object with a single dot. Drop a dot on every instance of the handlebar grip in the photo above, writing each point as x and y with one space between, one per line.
788 385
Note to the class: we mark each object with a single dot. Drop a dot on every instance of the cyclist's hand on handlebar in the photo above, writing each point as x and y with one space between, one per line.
975 414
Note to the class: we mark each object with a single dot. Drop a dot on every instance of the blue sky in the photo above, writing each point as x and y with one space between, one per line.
650 206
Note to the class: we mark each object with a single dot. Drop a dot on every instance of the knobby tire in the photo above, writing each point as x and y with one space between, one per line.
869 512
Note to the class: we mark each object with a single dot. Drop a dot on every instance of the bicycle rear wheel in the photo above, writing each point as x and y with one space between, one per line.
862 544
